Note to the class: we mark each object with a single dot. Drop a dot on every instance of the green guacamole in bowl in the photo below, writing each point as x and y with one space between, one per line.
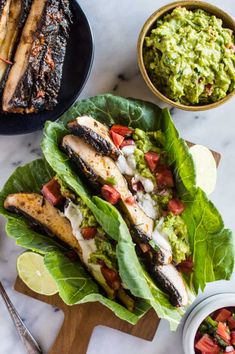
190 57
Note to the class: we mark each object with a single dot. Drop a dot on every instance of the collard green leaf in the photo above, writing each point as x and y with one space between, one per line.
74 283
111 109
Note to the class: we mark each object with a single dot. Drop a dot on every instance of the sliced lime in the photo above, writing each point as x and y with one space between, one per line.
32 271
205 165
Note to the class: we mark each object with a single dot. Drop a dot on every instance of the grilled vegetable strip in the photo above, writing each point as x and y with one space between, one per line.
94 133
34 79
17 13
41 213
170 281
4 18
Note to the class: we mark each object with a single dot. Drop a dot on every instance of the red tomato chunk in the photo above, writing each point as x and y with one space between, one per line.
223 315
88 232
117 139
176 206
223 332
152 159
121 130
110 194
207 345
51 191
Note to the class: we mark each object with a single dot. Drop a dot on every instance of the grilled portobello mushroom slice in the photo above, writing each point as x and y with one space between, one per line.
98 169
42 214
34 79
95 134
4 18
170 281
17 14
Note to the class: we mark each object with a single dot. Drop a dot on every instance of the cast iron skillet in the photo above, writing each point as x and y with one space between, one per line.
77 66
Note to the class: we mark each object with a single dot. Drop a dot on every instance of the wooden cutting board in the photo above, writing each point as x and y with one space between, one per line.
80 320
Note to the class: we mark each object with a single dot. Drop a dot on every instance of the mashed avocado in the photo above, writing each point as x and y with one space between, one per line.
106 252
176 230
190 57
146 141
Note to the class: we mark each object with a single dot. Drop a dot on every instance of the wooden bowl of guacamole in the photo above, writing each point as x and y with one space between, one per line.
186 55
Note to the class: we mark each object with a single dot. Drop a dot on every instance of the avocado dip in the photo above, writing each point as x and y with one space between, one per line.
190 57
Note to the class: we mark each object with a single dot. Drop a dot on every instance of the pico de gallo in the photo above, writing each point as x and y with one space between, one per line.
216 334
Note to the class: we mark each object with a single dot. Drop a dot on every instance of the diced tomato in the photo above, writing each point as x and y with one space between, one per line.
130 200
186 266
233 337
207 345
152 159
117 139
176 206
111 277
144 247
223 332
223 315
127 142
164 177
121 130
88 232
110 194
51 191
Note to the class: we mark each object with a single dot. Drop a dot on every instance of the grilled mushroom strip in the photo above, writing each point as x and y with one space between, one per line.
34 80
95 134
4 17
16 15
171 282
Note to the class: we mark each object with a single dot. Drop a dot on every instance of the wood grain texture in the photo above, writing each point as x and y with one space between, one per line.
80 320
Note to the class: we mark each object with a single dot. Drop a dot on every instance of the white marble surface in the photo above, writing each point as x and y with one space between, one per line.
116 25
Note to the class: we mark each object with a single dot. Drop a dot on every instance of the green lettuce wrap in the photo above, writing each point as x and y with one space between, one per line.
75 284
210 243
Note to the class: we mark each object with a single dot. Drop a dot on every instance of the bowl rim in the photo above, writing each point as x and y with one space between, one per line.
199 313
146 28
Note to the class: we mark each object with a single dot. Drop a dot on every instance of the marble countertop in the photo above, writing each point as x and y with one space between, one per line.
116 25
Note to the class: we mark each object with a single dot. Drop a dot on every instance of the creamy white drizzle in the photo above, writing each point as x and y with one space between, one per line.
74 214
127 166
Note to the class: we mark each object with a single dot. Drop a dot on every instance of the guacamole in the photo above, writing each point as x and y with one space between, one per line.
190 57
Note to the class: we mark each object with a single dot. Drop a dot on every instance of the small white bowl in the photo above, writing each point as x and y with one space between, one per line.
199 313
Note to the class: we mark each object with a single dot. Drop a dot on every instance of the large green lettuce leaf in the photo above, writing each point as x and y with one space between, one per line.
205 225
74 282
212 245
131 271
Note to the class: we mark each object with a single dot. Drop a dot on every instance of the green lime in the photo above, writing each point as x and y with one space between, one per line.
32 271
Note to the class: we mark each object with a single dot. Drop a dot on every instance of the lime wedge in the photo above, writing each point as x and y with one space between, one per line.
205 166
32 271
